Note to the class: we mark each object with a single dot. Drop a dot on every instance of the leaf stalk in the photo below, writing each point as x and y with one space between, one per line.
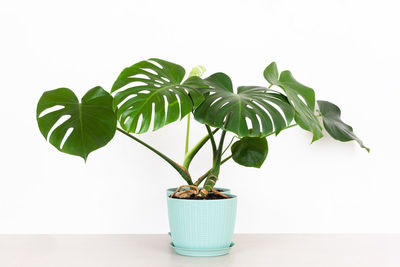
181 170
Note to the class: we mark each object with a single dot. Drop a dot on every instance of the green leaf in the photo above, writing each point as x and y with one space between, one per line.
197 71
93 121
271 74
154 84
334 125
256 104
303 106
250 151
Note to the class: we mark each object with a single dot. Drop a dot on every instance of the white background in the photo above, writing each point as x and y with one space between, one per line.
348 51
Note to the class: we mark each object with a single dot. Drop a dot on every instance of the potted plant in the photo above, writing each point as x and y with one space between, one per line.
155 92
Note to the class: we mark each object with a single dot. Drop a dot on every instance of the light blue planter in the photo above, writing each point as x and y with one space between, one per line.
202 227
223 190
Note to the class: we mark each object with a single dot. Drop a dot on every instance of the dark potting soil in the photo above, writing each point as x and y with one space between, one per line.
210 196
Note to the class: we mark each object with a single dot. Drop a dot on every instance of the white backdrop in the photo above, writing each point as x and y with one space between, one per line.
348 51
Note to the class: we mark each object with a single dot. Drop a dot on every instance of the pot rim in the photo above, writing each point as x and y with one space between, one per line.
174 188
232 197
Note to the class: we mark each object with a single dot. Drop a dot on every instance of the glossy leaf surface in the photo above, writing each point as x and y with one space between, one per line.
250 151
334 125
153 90
301 97
271 74
92 121
252 111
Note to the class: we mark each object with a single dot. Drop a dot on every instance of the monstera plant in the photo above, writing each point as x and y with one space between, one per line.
155 92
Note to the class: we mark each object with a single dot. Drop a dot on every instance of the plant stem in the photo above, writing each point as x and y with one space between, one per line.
219 153
226 159
189 156
204 176
213 144
290 126
212 176
196 71
182 171
201 178
228 145
230 156
187 134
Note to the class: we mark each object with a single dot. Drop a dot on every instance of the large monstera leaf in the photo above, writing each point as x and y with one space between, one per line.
89 125
223 108
153 89
301 97
334 125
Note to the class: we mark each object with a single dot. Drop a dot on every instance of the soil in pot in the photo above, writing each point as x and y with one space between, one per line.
210 196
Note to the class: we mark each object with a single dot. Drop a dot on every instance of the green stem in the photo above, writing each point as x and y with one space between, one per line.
219 153
230 143
212 176
189 156
198 182
293 125
182 171
290 126
204 176
226 159
213 144
187 134
230 156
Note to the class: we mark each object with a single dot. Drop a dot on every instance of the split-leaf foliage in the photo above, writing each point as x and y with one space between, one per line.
154 93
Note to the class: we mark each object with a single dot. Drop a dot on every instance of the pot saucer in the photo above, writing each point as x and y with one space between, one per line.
193 252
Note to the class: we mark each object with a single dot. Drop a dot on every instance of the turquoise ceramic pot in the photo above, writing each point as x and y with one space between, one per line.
223 190
202 227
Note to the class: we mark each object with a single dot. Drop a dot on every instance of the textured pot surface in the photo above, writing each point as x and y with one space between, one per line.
202 227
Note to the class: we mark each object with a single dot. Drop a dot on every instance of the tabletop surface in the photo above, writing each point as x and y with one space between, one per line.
294 250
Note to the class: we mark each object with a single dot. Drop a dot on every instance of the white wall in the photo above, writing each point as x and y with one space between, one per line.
348 51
